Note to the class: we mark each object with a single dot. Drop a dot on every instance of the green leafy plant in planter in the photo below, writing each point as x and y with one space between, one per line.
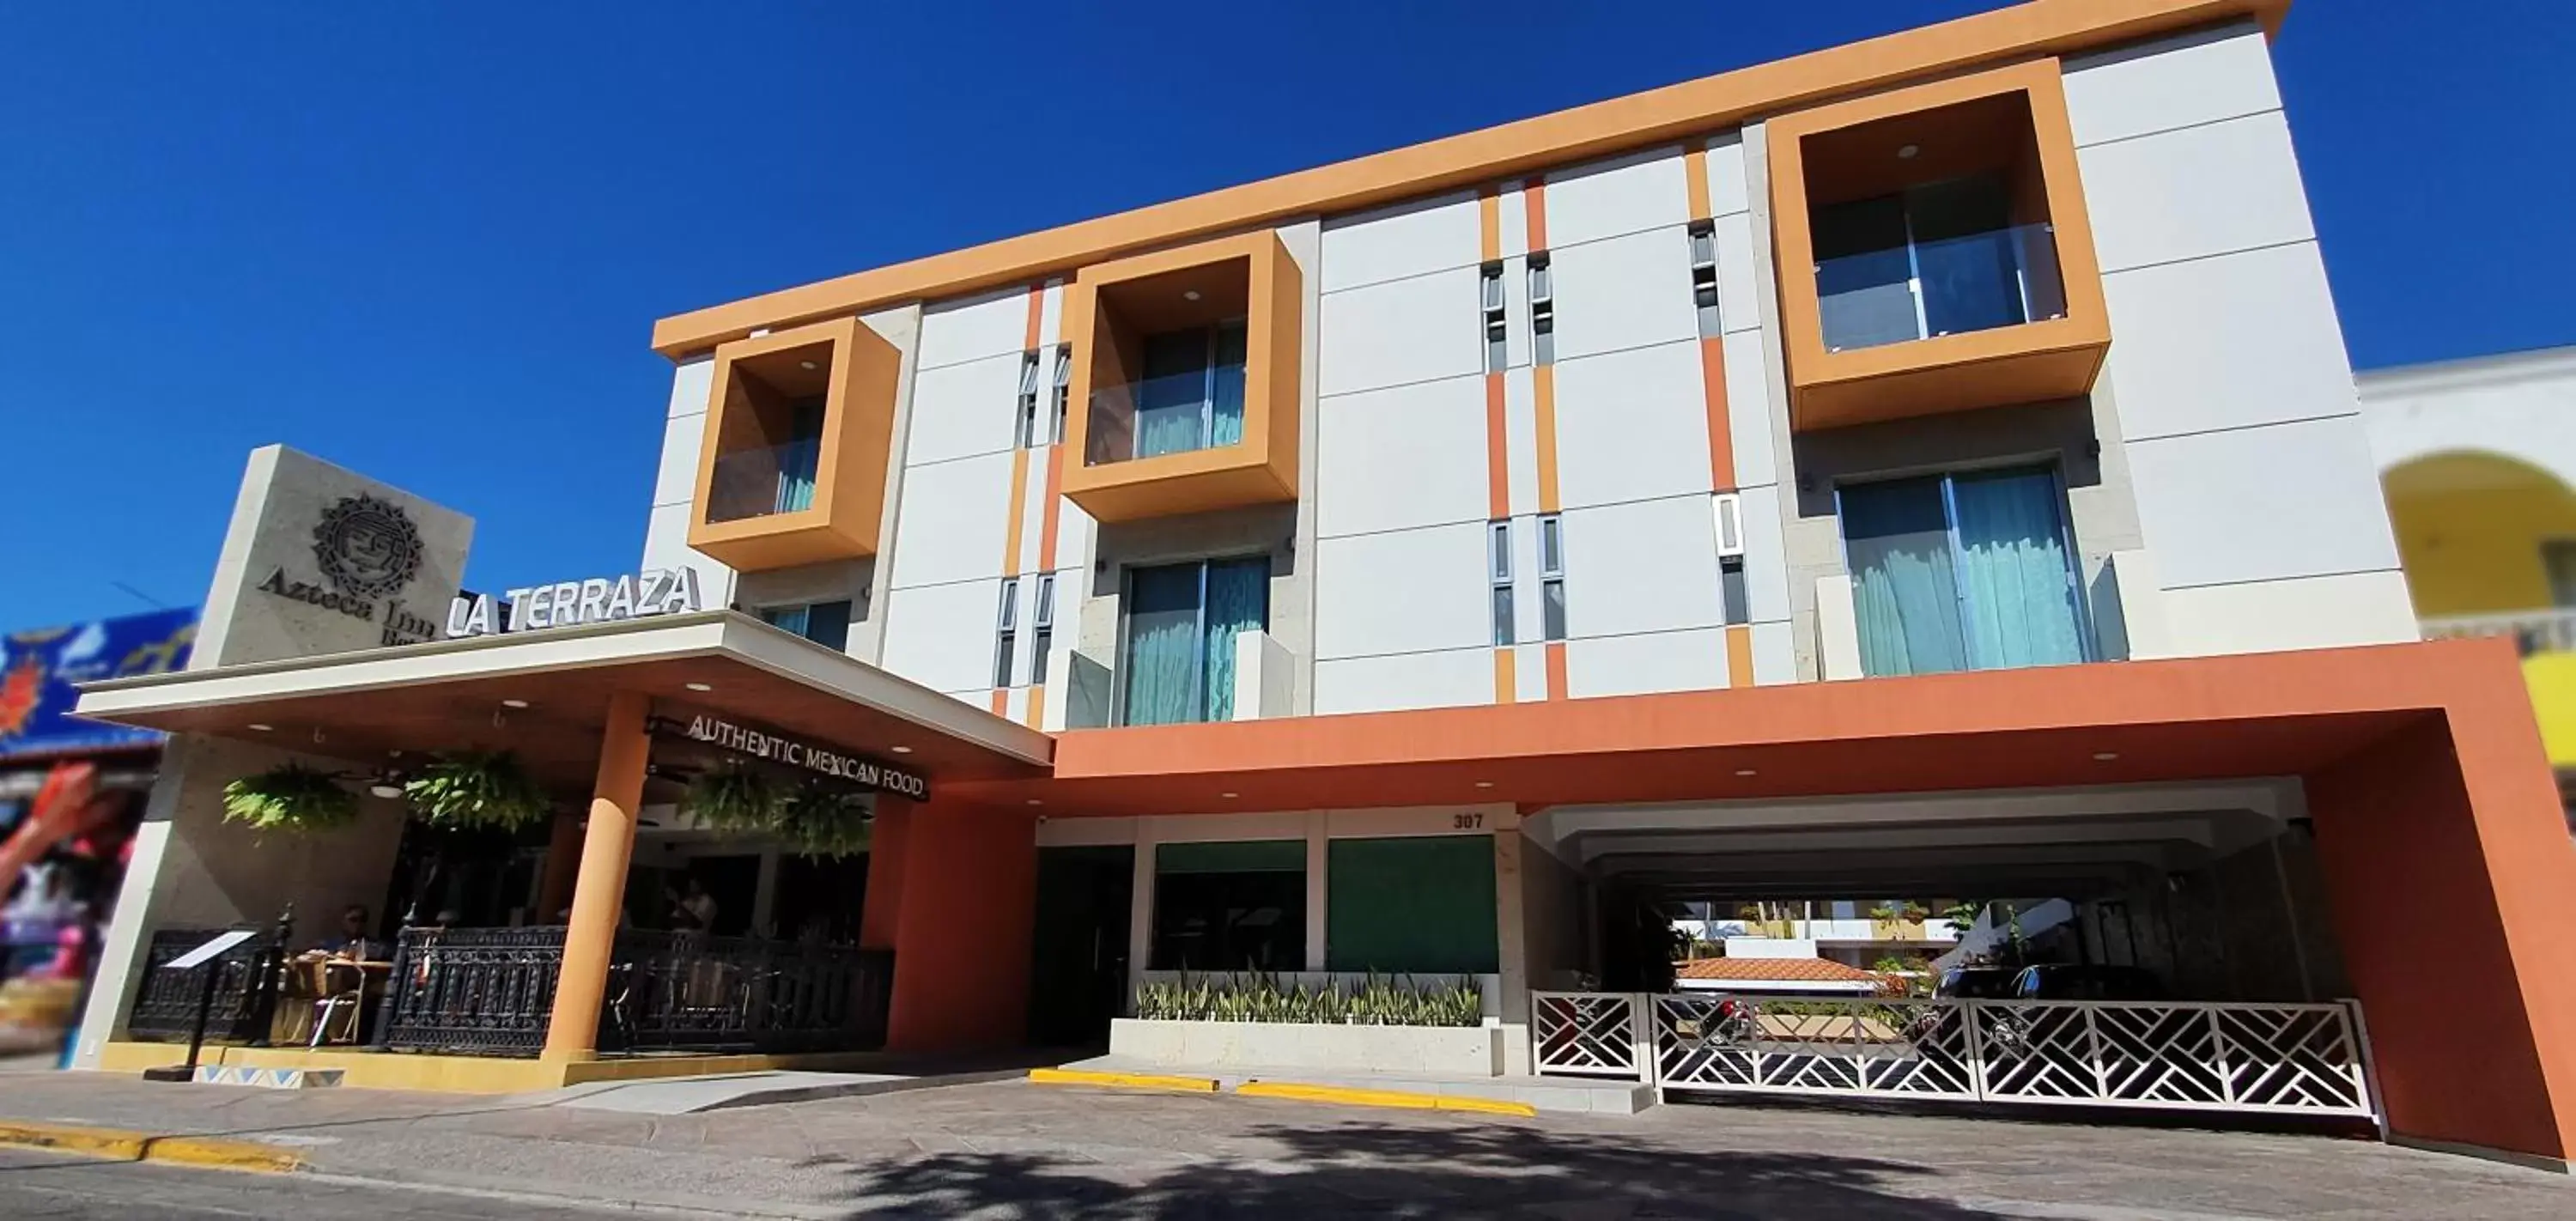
290 797
476 789
733 797
821 821
1256 996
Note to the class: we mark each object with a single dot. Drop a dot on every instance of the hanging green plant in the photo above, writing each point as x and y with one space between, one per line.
733 797
821 821
475 789
290 797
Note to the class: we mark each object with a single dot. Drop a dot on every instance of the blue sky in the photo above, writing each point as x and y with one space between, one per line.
428 241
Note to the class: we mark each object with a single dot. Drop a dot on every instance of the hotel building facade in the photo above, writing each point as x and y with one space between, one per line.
1926 466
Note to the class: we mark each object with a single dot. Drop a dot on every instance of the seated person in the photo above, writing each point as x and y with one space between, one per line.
353 942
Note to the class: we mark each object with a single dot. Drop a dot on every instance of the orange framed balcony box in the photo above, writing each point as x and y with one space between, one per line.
1934 250
792 469
1185 380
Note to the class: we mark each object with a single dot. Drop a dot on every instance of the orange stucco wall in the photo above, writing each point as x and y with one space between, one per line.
967 896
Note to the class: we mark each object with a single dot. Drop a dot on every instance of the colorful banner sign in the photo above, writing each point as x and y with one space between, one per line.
38 670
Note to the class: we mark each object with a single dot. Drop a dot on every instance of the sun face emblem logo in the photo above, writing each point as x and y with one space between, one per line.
367 547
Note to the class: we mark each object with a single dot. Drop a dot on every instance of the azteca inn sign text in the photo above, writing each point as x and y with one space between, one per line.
368 552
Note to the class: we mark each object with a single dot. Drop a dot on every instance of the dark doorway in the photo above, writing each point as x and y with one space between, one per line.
1078 975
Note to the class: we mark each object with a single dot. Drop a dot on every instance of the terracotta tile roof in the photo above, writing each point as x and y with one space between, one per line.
1798 970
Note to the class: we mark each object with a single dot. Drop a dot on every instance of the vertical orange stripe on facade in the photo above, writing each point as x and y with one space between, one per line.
1739 656
1556 670
1498 476
1037 706
1721 437
1543 381
1534 204
1507 675
1489 225
1037 311
1695 172
1001 702
1019 508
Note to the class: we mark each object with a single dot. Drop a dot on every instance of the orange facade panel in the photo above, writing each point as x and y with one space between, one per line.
1935 251
792 465
1123 458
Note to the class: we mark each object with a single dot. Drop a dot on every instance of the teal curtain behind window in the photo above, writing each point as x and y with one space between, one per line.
1225 390
1162 660
1238 601
800 457
1172 400
1904 591
2013 571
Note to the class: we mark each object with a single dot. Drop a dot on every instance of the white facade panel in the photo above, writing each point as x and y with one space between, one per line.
692 385
1631 425
1692 660
666 545
1448 679
1403 457
1766 562
1520 440
1625 292
1748 409
1730 188
2260 504
1739 279
1412 240
1402 331
1775 655
941 636
972 328
2305 613
952 521
1511 215
1409 591
1613 198
1645 567
2200 77
968 408
2189 194
683 440
2248 338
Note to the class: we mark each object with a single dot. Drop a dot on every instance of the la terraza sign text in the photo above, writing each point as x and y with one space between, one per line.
662 591
802 756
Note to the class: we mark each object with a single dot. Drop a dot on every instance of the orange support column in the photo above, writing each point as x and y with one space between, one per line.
600 891
2470 1002
887 840
962 935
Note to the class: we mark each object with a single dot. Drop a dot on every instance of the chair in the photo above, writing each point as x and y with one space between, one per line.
336 997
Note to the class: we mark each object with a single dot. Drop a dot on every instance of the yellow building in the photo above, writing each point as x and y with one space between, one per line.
2478 458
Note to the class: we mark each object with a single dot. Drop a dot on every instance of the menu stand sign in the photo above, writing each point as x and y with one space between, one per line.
202 956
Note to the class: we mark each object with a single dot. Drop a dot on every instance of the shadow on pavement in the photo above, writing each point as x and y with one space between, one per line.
1350 1169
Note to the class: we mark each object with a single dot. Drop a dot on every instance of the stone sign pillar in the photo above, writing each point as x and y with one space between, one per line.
317 560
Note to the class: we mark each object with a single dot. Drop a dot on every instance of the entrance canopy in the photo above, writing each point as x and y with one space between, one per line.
545 695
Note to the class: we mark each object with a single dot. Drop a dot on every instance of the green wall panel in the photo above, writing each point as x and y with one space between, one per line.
1423 905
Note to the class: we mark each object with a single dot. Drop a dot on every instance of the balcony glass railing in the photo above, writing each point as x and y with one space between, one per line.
765 481
1175 414
2537 631
1945 286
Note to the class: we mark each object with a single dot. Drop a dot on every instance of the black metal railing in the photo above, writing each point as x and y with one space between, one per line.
245 998
475 991
491 991
692 992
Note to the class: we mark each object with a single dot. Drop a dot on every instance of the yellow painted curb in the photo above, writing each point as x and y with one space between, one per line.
130 1146
1133 1081
1404 1099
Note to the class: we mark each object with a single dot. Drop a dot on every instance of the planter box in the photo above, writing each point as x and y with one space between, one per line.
1470 1051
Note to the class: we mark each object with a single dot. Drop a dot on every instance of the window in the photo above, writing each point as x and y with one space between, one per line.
1005 629
1191 397
1236 906
1176 662
1063 390
1703 252
1730 590
824 623
1542 296
1727 510
1938 259
1496 351
1551 573
1024 427
1041 628
1502 575
1962 572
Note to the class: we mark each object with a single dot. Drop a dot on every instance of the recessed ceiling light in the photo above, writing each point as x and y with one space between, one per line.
385 790
514 703
2105 756
1908 152
259 727
1746 771
900 750
805 364
697 686
1191 294
1484 784
1229 794
1035 802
